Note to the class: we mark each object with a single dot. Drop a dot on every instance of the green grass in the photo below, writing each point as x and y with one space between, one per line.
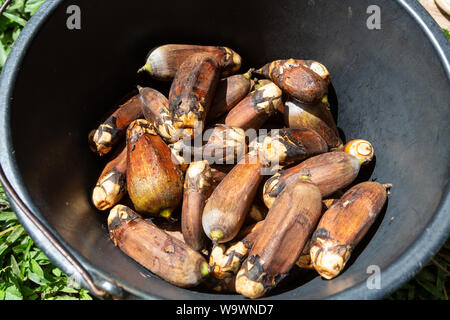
26 273
446 33
431 283
12 21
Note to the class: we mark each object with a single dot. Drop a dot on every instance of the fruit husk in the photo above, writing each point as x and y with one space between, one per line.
230 91
155 107
169 226
254 110
225 145
225 210
198 186
191 93
112 183
179 157
108 134
361 149
164 61
288 145
154 181
176 234
225 263
343 226
297 80
329 171
262 82
162 254
285 231
318 68
315 117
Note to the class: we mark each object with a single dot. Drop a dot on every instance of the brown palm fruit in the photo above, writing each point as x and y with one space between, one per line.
304 260
169 227
225 263
262 82
343 226
192 92
107 135
285 231
225 210
297 80
177 234
343 168
155 107
287 146
256 108
154 181
322 109
164 61
162 254
112 183
324 112
230 91
329 171
318 68
198 186
180 155
315 117
225 145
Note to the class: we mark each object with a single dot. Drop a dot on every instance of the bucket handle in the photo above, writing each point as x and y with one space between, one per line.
48 235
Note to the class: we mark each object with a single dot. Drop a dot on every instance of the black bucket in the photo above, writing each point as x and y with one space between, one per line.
391 87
